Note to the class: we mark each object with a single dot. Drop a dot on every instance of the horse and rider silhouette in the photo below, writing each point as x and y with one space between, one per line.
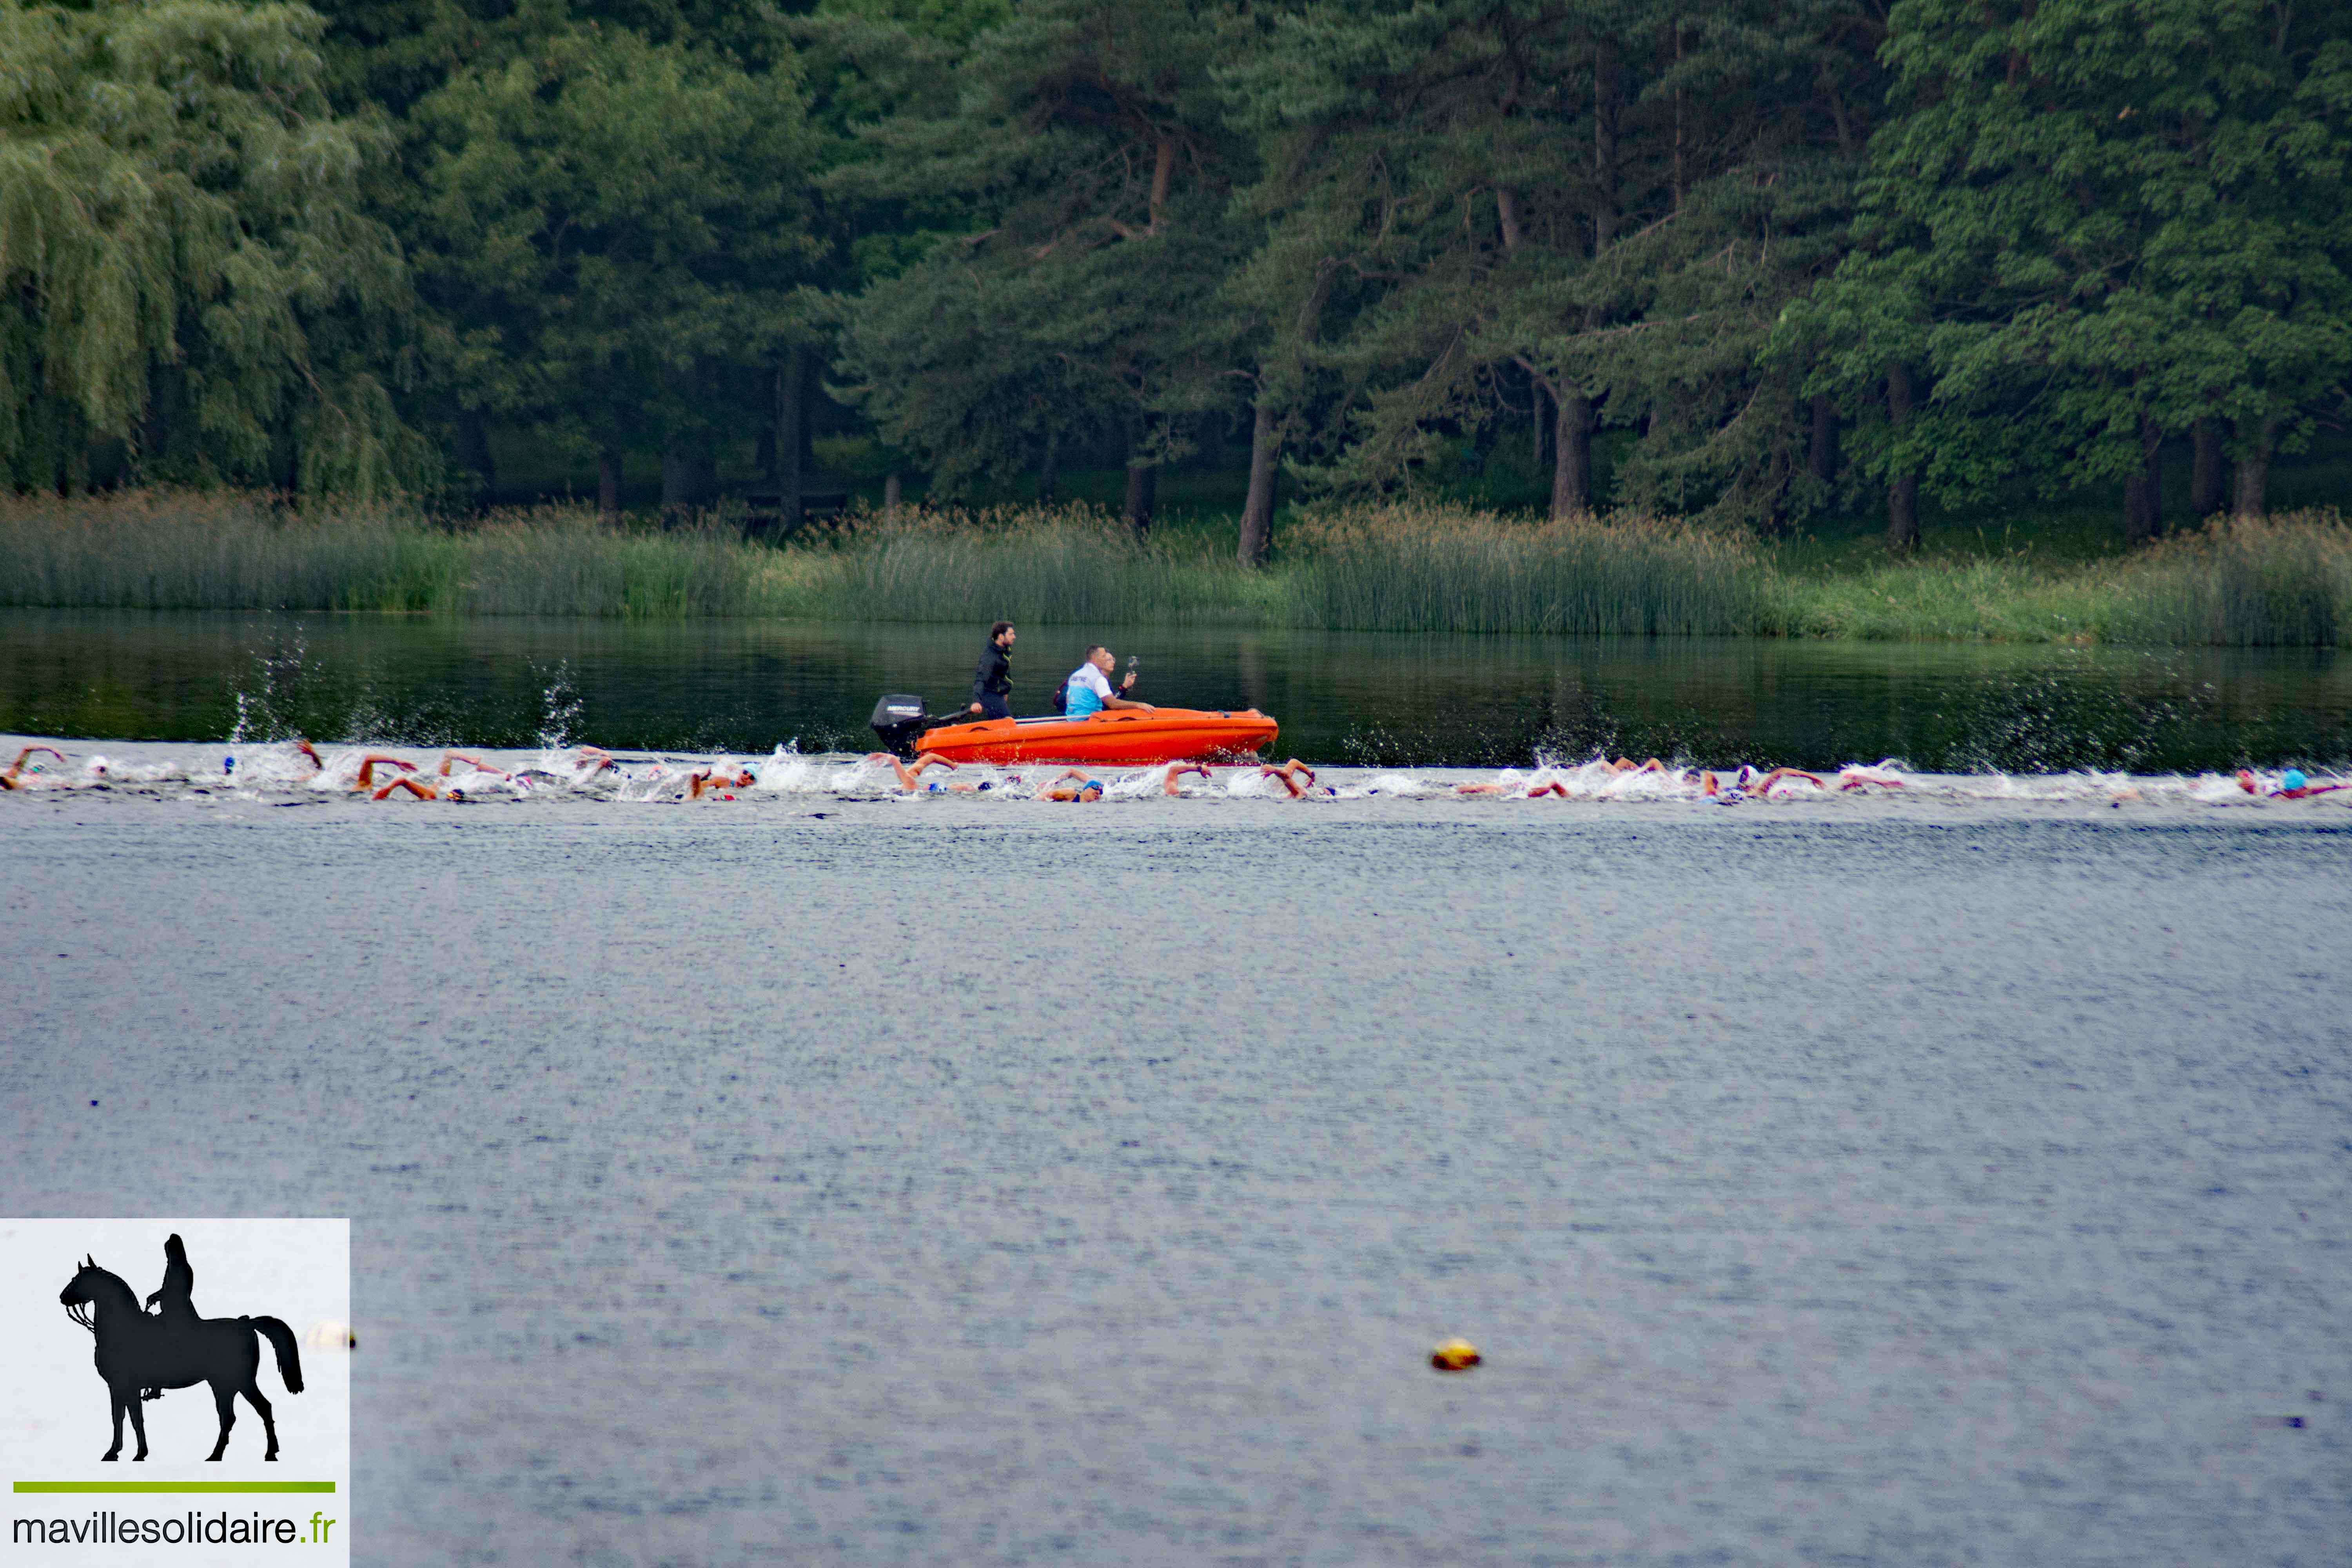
141 1355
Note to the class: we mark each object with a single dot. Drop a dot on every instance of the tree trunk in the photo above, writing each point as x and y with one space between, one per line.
1269 424
1903 490
608 483
891 495
1543 424
1164 168
1571 470
792 436
1903 513
473 451
155 424
1257 511
2144 491
2254 467
1821 458
2209 476
1142 492
1838 116
677 481
1049 468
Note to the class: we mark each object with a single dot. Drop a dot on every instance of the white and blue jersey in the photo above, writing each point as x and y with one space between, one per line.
1087 692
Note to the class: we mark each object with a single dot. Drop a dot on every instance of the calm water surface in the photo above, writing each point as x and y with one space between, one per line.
747 685
932 1182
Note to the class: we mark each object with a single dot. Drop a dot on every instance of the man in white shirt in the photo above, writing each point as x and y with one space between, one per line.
1088 688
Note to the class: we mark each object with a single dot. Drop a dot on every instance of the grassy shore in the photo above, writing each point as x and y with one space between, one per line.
1402 567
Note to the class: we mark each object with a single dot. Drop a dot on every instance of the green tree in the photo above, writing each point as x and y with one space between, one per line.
1089 149
196 291
616 228
1604 205
387 56
1756 116
2092 226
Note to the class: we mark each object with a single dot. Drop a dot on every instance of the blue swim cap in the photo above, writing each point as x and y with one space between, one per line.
2292 779
1093 784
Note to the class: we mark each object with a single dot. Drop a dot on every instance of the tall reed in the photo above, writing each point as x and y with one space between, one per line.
2282 582
1407 567
150 550
158 551
564 564
1402 567
1066 565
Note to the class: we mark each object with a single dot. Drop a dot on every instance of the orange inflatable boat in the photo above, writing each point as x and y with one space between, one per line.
1120 735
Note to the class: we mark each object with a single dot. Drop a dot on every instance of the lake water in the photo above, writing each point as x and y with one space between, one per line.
1372 699
957 1181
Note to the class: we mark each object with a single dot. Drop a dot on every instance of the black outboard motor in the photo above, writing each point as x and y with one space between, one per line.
898 719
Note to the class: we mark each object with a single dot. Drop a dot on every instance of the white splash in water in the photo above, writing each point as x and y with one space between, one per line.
584 773
786 772
559 711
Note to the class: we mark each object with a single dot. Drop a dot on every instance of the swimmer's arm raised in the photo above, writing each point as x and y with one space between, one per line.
1289 774
475 762
369 763
8 779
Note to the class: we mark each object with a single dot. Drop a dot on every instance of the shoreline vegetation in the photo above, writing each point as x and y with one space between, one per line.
1397 567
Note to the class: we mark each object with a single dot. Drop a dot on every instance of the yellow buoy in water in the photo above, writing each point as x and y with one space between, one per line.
1455 1355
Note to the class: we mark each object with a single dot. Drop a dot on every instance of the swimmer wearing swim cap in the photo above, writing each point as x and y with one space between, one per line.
1086 790
2292 784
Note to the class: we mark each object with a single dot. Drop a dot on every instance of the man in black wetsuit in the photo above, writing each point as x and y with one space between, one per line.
991 679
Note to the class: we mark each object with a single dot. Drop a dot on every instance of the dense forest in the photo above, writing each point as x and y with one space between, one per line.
1784 255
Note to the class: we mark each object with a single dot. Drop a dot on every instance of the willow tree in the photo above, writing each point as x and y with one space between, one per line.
195 290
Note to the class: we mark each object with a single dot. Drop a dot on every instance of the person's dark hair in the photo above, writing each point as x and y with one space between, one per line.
999 629
1093 649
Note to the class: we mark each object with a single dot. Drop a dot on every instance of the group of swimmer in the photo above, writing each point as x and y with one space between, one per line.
460 777
586 765
1746 784
1072 784
1298 781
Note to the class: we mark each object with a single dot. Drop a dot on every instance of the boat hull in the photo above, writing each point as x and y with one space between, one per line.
1118 736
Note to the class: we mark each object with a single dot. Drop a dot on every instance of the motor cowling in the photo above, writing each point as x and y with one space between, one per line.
898 719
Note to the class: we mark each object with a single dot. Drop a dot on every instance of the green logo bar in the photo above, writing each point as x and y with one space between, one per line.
175 1485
